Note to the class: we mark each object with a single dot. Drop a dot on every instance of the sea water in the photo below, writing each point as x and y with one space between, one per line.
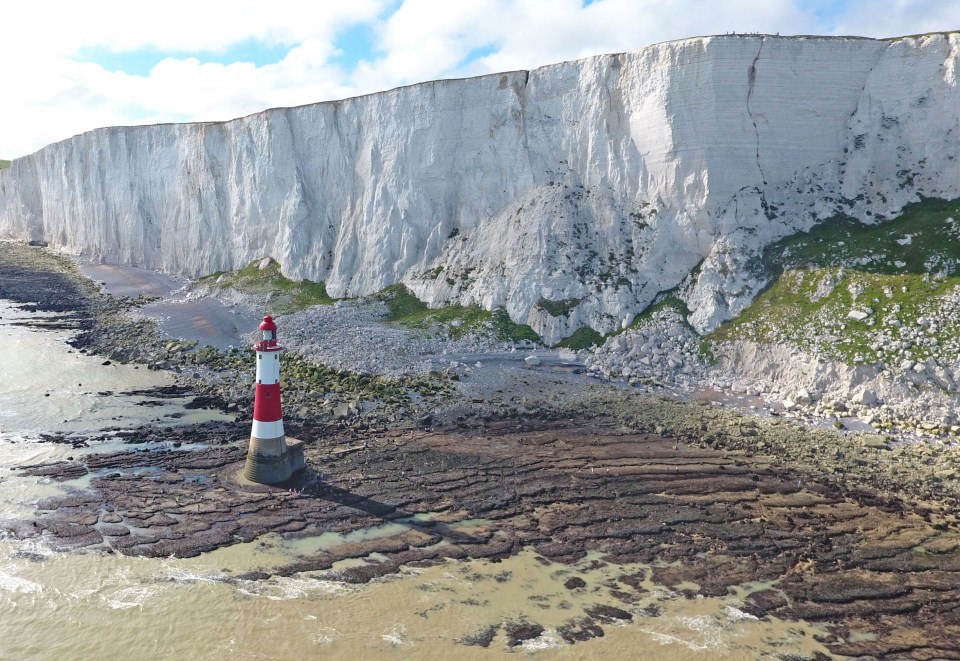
97 605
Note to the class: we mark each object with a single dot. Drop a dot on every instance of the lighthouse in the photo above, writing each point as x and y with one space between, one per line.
272 456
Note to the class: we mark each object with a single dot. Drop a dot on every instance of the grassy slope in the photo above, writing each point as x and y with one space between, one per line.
898 271
407 310
289 295
586 337
4 163
582 338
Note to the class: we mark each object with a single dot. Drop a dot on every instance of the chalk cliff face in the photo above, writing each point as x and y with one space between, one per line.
571 195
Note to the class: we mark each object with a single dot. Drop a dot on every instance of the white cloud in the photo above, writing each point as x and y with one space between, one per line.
542 31
50 95
175 25
895 18
425 38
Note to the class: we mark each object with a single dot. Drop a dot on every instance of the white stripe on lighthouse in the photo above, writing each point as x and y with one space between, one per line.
268 367
266 430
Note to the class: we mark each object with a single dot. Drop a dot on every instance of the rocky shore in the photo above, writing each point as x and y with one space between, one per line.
899 397
486 457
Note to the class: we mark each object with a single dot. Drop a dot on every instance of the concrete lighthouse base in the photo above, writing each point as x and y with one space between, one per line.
273 460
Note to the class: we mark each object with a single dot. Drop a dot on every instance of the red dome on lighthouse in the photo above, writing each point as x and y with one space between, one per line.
267 324
268 336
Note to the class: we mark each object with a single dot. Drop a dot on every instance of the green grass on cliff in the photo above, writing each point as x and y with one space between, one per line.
407 310
920 240
666 301
582 338
4 163
558 308
285 295
902 273
587 338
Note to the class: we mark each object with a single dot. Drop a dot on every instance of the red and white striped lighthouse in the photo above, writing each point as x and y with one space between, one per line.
272 457
267 413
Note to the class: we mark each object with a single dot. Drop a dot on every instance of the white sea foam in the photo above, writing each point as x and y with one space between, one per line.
131 597
545 641
396 635
734 614
13 583
708 634
192 574
37 549
326 635
285 588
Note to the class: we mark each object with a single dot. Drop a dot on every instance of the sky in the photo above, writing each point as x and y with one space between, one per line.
67 67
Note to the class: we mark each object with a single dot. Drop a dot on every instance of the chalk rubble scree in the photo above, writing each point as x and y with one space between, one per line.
272 456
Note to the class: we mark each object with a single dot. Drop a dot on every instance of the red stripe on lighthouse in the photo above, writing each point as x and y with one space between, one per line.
266 402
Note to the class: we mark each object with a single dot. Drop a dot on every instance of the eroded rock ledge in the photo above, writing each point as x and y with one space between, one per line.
845 555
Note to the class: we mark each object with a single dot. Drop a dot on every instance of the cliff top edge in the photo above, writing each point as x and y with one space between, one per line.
750 36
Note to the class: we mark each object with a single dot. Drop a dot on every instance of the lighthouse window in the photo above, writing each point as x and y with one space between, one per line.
259 356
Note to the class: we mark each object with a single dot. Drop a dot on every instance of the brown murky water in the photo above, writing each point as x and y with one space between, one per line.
95 606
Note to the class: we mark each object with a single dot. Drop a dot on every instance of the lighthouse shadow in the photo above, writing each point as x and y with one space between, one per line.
309 483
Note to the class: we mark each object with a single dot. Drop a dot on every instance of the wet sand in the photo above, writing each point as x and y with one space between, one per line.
205 319
118 280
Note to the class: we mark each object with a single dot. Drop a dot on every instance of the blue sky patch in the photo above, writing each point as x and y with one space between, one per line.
476 53
140 62
355 44
826 11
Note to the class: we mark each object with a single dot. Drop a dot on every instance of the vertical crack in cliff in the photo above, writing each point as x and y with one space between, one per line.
522 98
751 82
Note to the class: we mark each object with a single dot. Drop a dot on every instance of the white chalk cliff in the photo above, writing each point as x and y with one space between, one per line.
595 184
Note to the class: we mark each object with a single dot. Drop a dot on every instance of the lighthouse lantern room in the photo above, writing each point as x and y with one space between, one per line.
272 456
